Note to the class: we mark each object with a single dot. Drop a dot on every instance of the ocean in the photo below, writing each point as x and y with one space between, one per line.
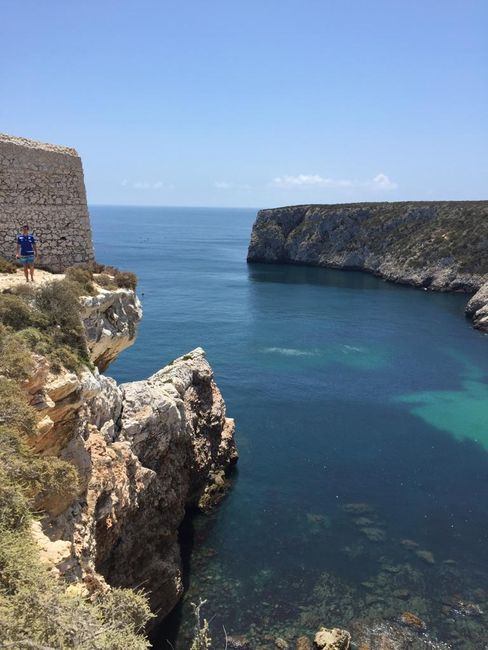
362 425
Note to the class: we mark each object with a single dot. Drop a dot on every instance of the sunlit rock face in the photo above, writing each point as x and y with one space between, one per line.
110 319
477 308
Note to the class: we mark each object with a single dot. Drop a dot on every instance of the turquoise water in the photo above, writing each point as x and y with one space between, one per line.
362 424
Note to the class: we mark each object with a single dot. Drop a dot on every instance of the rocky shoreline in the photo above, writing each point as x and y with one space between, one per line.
441 246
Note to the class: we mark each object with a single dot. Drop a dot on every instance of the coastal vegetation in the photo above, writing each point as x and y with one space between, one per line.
6 266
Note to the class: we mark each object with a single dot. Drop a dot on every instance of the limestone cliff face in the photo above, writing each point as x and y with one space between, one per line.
143 452
477 308
438 245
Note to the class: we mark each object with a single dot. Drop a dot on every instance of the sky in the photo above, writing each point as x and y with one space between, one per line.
254 103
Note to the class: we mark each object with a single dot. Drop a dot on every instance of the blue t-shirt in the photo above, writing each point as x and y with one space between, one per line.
26 243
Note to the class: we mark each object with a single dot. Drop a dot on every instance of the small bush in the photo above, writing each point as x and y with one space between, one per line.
112 276
6 266
83 277
50 345
59 303
15 413
126 280
106 281
94 267
15 357
38 611
57 484
24 290
15 312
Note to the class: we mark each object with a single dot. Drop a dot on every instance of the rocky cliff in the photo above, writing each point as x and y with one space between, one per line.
143 451
438 245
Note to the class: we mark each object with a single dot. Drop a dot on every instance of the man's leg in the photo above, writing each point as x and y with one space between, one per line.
26 272
31 269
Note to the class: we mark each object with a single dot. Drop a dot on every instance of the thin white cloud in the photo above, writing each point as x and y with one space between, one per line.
309 180
224 185
150 185
124 183
382 182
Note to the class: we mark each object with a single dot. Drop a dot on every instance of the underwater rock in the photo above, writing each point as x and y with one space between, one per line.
403 594
426 556
374 534
462 608
363 521
303 643
237 642
281 643
392 636
409 544
354 550
332 639
359 508
317 522
412 620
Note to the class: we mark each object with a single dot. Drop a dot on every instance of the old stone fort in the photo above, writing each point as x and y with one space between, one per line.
42 185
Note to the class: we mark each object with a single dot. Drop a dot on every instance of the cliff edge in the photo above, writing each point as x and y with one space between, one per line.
441 245
142 451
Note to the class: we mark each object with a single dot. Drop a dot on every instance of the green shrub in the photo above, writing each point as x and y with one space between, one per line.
16 312
47 322
24 290
47 479
15 357
6 266
57 484
15 412
50 345
113 277
83 277
38 611
58 301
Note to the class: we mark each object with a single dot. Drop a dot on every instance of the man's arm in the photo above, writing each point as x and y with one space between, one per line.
17 249
34 246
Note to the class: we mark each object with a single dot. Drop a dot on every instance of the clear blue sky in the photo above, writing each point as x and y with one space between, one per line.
254 103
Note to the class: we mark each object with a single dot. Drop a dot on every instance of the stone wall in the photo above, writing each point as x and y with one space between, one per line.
42 184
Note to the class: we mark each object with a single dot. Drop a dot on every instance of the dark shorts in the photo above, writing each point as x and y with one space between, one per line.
26 259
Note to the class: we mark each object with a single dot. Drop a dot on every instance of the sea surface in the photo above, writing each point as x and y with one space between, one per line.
362 425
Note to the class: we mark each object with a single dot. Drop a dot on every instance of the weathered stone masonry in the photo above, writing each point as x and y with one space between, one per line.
42 184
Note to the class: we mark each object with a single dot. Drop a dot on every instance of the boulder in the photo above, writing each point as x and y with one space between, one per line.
332 639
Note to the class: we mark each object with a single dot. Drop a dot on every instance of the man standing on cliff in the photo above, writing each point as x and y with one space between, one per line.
26 252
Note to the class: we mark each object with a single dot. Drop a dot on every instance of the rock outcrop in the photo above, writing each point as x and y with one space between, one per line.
477 308
143 452
438 245
332 639
110 319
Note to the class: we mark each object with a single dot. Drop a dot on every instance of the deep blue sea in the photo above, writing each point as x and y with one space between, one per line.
362 424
